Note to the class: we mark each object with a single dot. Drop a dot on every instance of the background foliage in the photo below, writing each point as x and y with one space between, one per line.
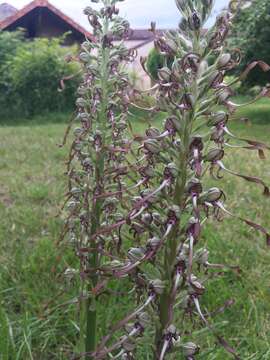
30 74
251 33
155 62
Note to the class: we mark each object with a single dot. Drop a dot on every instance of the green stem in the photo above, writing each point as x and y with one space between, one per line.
94 261
172 244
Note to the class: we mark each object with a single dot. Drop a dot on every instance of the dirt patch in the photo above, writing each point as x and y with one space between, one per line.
5 198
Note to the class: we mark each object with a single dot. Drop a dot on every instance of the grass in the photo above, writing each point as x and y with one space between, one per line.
33 322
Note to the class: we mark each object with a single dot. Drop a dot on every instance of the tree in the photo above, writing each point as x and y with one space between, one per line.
251 32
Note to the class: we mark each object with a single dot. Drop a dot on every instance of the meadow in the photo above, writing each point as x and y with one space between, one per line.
38 314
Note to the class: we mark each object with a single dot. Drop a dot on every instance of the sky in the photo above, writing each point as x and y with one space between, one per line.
139 12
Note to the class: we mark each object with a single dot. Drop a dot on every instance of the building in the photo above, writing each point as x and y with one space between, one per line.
41 19
142 41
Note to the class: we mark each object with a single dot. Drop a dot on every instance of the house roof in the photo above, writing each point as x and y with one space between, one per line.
140 34
6 10
143 37
43 3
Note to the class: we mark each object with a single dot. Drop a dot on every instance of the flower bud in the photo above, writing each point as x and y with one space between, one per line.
110 203
147 218
70 273
78 145
171 170
202 256
85 57
164 74
152 146
224 60
143 319
181 4
72 205
177 144
214 155
203 67
183 257
215 79
121 125
190 349
194 21
136 199
217 118
194 227
87 163
136 254
147 171
152 198
223 95
137 228
113 265
196 288
208 3
217 135
82 90
174 212
157 218
75 192
196 143
89 11
172 123
177 69
152 132
153 243
83 117
80 102
78 132
129 346
129 327
171 330
117 217
194 186
212 195
158 286
188 101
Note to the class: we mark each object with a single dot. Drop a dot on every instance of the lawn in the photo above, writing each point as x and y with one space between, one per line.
37 318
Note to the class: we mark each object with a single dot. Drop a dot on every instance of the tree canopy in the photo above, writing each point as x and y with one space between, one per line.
251 32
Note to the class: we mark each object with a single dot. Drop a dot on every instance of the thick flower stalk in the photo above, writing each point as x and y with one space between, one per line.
171 201
97 162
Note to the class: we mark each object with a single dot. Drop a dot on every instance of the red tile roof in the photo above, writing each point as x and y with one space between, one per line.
44 3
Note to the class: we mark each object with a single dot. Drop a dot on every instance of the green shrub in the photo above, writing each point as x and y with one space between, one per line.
9 42
251 33
156 61
31 78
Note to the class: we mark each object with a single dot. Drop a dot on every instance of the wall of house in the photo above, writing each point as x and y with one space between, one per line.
49 25
143 80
